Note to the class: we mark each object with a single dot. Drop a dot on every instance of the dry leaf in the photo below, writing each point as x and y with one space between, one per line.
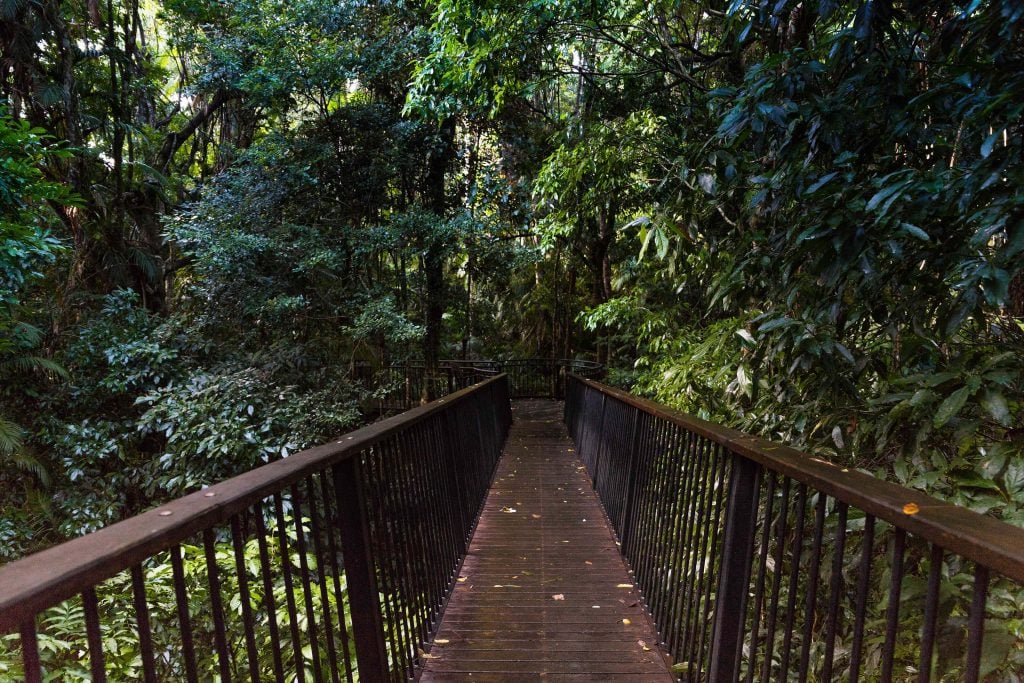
627 622
462 579
587 562
558 596
441 641
535 516
508 509
911 509
643 646
625 585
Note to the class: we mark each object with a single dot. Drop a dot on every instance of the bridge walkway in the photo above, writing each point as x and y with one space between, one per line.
544 592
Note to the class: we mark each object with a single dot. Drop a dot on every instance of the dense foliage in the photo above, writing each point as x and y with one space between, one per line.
801 218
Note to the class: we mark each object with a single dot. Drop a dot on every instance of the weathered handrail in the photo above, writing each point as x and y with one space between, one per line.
386 511
728 536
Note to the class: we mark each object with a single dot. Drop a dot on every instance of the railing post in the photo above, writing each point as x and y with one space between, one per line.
356 544
734 577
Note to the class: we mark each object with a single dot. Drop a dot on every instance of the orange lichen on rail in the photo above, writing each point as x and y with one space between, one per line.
544 590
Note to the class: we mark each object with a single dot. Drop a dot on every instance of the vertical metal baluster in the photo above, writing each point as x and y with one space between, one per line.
863 586
640 522
701 496
976 623
238 542
631 486
219 630
30 652
811 601
674 520
321 572
384 493
184 621
269 603
773 609
330 522
92 629
708 555
286 569
380 543
834 591
307 591
360 570
425 541
142 620
726 648
762 570
683 535
701 519
931 612
794 580
647 551
892 611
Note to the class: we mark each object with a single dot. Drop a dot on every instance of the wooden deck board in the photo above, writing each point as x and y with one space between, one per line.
544 592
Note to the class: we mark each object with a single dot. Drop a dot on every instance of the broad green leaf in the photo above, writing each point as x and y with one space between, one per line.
995 403
951 406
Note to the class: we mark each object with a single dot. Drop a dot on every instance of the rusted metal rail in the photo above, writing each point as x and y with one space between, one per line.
762 563
330 564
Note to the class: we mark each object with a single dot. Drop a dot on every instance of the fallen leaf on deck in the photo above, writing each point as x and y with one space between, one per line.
462 579
625 585
535 516
587 562
441 641
627 622
643 646
558 596
508 509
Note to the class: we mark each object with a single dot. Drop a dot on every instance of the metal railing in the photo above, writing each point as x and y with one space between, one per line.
329 565
400 386
758 562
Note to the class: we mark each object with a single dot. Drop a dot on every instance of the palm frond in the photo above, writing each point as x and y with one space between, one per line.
12 437
34 364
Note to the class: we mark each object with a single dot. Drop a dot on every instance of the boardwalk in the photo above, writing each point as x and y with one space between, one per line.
544 593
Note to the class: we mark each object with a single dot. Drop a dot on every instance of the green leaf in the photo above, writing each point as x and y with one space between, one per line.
951 406
820 182
996 645
990 142
917 232
995 403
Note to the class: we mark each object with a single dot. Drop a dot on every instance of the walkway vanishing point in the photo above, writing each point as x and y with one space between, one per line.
449 543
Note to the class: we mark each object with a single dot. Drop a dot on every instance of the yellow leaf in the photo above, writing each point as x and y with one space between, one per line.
627 622
911 509
625 585
441 641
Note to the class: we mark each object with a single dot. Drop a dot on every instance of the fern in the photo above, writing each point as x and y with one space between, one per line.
15 453
33 364
11 437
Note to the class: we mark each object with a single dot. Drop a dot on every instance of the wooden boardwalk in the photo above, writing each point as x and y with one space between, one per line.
544 593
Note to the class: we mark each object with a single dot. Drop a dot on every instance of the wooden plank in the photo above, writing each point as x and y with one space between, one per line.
544 590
